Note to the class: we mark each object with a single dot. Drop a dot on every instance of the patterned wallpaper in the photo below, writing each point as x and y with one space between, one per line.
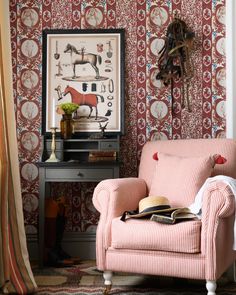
148 104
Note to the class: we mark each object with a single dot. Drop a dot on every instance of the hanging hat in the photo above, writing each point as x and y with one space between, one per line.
148 206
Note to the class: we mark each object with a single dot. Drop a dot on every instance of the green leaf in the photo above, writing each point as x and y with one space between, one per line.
69 107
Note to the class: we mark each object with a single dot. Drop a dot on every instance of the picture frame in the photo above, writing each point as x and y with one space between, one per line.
85 67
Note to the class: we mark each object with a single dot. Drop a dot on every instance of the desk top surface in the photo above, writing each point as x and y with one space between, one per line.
71 164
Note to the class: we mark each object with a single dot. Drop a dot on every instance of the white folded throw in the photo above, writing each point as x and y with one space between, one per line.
196 207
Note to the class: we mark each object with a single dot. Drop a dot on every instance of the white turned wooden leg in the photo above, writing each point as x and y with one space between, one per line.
211 287
107 275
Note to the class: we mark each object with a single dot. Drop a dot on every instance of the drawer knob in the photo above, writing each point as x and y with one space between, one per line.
80 174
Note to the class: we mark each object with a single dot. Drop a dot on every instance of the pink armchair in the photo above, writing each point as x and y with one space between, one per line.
198 249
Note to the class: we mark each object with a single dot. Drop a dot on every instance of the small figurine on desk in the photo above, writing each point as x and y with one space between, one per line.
101 134
102 128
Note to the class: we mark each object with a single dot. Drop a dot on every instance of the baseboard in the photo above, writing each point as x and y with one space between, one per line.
81 245
231 273
234 271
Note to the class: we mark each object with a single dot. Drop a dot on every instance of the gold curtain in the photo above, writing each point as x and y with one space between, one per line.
15 271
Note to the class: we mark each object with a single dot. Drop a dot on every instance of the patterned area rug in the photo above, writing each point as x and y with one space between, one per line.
84 278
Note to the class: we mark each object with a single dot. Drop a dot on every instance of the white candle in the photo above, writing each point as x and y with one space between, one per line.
53 113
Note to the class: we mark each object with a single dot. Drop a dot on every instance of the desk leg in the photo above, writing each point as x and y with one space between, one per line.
42 194
116 172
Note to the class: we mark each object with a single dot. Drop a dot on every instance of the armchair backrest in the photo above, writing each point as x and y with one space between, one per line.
189 148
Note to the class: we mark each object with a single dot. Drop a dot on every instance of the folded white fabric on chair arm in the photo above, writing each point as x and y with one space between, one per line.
196 207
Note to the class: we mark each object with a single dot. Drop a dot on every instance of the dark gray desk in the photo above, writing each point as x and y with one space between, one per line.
68 172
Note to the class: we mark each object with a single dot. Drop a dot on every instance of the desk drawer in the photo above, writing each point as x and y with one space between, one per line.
109 145
77 173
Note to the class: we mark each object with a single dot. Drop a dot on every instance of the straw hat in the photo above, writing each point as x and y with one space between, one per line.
153 203
148 206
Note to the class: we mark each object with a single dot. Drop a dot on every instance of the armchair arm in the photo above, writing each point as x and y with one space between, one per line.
218 200
111 198
217 227
114 196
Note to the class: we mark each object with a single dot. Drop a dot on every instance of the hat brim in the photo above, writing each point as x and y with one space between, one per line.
144 214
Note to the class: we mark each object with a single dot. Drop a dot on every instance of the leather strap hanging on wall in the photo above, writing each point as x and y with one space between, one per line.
174 60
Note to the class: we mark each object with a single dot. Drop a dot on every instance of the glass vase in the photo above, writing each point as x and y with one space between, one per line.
67 126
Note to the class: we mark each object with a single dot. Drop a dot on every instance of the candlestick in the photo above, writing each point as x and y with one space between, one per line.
53 113
53 157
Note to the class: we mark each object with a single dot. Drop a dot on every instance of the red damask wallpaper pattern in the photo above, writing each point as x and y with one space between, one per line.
148 104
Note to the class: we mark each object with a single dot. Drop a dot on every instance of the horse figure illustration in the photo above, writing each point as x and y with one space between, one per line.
80 58
89 99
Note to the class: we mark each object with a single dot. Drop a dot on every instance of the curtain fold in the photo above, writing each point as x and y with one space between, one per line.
15 271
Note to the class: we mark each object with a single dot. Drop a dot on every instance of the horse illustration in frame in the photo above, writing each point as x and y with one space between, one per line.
89 99
80 58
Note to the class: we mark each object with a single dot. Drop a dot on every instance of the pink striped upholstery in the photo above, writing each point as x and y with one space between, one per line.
180 178
133 234
110 198
190 266
182 250
217 229
189 148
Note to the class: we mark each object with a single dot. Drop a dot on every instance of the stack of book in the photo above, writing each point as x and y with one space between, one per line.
102 156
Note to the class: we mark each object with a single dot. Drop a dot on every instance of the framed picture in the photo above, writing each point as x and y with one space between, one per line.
85 67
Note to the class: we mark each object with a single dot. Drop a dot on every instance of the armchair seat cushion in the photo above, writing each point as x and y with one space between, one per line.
140 234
